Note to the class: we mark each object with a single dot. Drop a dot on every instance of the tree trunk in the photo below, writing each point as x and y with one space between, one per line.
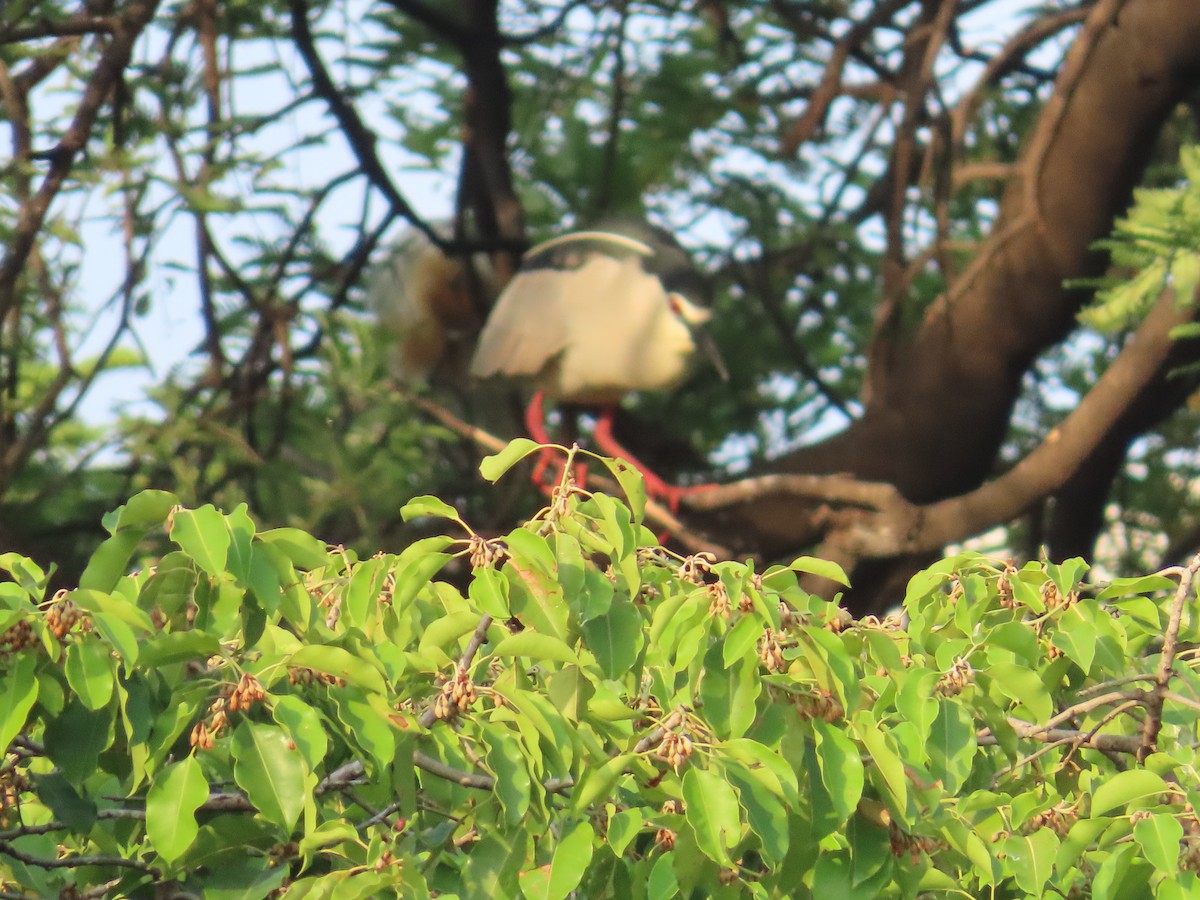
939 397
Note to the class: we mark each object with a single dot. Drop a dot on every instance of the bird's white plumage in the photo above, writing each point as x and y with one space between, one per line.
589 333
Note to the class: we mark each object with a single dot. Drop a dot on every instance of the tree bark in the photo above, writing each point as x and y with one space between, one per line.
940 397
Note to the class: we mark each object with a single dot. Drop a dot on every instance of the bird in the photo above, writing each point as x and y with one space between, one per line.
593 315
428 301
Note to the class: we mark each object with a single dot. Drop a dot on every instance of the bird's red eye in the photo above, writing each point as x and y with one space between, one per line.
676 306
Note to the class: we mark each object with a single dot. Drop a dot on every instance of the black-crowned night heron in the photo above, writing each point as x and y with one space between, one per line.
594 315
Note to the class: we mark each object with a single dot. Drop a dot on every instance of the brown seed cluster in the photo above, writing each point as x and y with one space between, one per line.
960 675
387 859
388 590
17 637
12 785
63 615
1004 588
674 749
305 676
246 693
1058 819
485 554
913 845
694 569
458 694
718 599
1189 859
1054 599
819 703
204 733
203 736
770 652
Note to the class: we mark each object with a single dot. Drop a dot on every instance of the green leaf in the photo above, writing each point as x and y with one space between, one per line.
202 535
492 867
572 857
304 550
368 724
110 561
713 812
915 699
1159 835
765 814
76 737
489 591
177 646
766 765
144 510
741 639
328 834
952 745
841 768
304 726
632 482
1141 585
663 883
1125 787
623 827
75 811
416 567
730 695
506 761
888 763
17 698
171 806
822 568
90 672
1030 858
428 506
443 632
616 638
536 596
271 771
1122 875
493 467
595 784
535 646
114 630
1023 687
1076 637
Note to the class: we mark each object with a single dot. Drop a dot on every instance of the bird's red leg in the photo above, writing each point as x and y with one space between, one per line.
655 485
535 418
535 424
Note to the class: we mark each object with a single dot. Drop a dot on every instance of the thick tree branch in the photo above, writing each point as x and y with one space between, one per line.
939 406
886 524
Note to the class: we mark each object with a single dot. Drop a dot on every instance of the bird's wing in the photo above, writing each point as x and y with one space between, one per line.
527 328
622 335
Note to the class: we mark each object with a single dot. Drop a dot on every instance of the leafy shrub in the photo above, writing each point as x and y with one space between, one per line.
570 707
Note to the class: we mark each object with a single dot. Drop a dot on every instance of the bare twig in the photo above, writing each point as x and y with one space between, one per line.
1155 696
361 139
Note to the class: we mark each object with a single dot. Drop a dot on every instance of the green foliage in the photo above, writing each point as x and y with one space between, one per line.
570 707
1159 242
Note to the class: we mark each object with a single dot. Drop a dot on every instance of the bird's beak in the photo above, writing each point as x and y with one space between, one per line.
695 317
707 346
